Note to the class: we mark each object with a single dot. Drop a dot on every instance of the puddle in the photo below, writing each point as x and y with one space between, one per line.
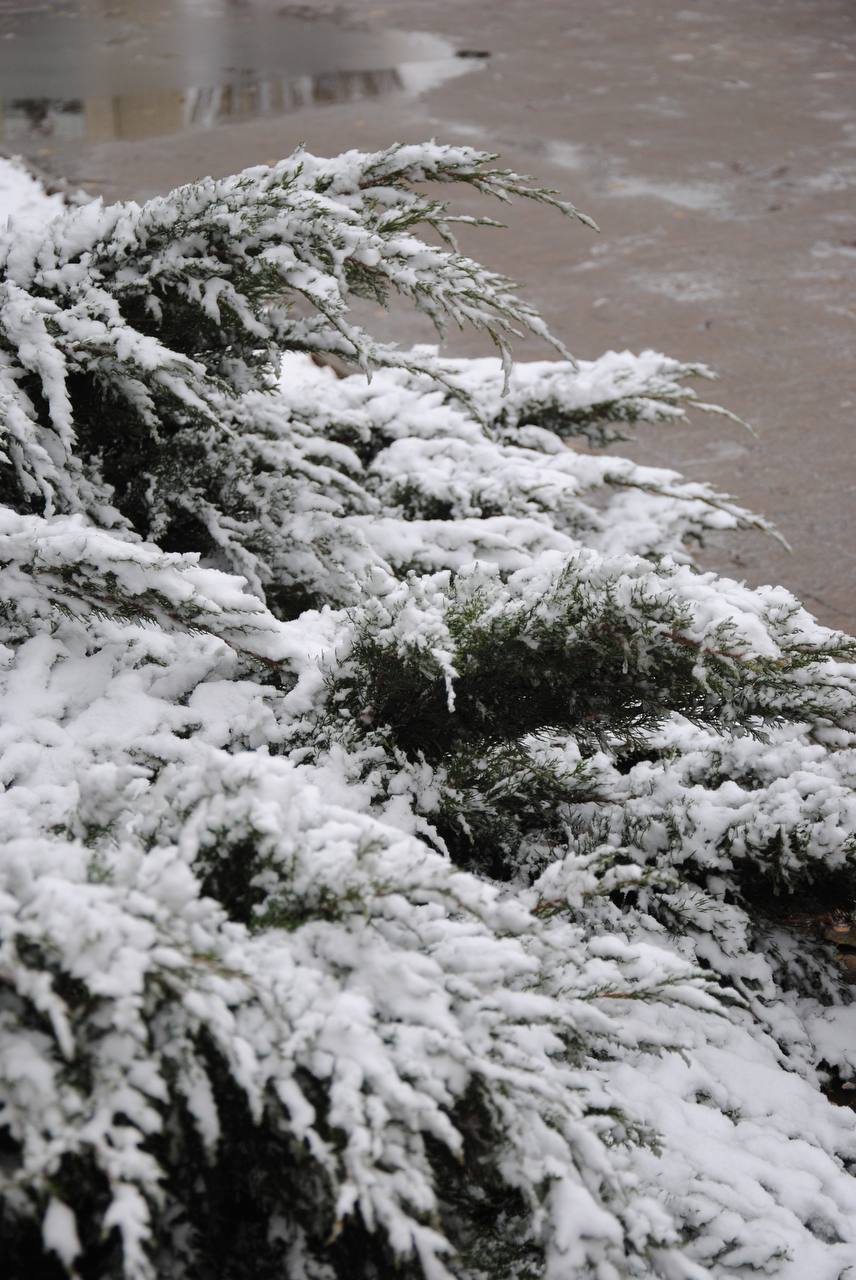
97 70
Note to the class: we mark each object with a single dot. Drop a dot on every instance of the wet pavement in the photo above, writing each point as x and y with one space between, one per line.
714 141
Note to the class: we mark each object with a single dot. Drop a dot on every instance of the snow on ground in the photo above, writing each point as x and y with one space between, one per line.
23 196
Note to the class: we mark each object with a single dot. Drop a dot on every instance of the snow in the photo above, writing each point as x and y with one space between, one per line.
23 200
700 197
416 795
59 1230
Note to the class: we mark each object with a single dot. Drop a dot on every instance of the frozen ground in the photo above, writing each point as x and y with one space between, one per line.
715 143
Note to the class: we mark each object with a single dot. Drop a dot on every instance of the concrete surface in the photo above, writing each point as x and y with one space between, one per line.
714 141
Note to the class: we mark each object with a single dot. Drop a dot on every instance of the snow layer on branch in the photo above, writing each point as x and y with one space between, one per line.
172 317
363 959
389 845
121 914
164 801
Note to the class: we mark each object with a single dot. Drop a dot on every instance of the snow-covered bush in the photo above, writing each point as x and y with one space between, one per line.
397 829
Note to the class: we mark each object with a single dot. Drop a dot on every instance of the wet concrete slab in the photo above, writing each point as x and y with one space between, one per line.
714 141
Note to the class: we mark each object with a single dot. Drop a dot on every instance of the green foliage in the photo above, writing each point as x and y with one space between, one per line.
590 652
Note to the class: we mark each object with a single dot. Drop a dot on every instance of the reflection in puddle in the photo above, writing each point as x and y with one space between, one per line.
96 71
26 121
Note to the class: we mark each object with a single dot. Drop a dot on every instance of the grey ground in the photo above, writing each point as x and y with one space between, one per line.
714 141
